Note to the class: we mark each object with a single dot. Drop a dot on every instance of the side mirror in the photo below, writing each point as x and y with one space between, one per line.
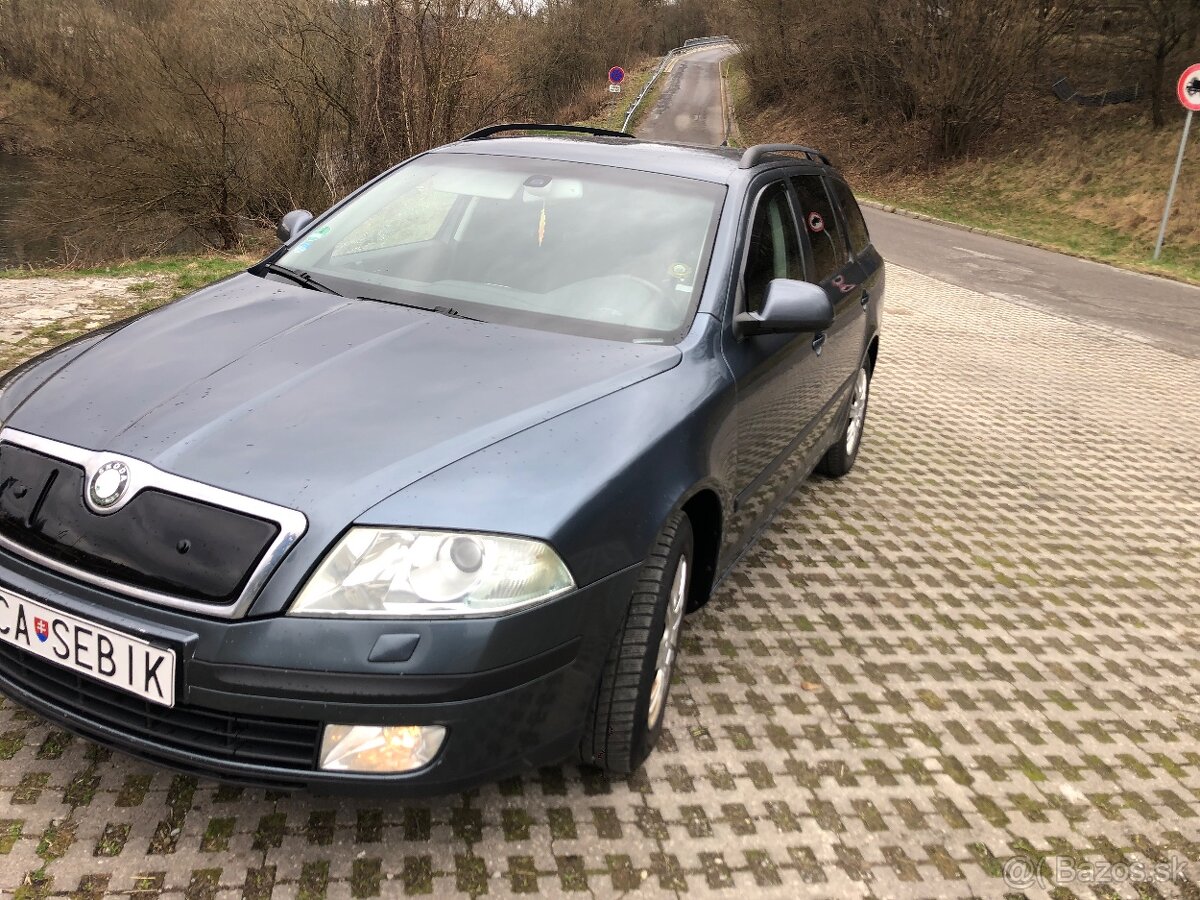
791 307
292 224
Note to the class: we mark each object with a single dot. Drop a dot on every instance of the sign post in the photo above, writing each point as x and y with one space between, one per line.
615 76
1189 95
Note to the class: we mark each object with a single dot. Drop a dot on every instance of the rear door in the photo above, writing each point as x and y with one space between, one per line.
868 263
838 273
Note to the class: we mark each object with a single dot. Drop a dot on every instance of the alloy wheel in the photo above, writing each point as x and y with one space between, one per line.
858 412
668 647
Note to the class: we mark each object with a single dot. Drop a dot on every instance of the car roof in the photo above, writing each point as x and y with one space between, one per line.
716 164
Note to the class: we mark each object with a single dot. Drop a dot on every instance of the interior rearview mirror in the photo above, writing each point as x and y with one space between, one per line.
292 224
791 307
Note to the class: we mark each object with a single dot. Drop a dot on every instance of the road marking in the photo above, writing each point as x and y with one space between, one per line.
978 253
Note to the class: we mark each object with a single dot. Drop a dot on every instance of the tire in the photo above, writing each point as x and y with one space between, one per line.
839 459
622 728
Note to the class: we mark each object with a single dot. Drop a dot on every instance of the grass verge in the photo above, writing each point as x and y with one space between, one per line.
1053 229
184 273
736 88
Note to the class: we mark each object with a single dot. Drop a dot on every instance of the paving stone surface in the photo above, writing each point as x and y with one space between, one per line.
972 668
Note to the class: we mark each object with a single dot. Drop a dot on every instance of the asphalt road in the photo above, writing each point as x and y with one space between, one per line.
1161 312
689 107
1155 310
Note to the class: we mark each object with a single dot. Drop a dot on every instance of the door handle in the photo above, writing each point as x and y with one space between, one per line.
819 343
864 299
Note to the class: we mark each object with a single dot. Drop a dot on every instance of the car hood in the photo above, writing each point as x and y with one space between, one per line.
315 402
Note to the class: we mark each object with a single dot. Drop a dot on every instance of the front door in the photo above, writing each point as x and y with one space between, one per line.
779 382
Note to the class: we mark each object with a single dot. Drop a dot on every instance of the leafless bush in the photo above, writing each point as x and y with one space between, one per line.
166 131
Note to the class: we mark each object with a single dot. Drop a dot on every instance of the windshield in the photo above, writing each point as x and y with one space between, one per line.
561 246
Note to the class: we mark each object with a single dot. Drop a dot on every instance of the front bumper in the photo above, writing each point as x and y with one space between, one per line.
253 696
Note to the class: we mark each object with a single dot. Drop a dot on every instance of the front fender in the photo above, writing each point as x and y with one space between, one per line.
598 482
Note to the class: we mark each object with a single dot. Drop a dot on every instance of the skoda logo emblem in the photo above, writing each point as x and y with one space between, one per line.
109 484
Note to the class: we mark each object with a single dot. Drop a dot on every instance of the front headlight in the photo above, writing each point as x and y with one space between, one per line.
406 573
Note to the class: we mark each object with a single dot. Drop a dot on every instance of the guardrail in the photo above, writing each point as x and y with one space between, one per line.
688 46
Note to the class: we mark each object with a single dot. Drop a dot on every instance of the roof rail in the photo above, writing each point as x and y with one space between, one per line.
481 133
753 155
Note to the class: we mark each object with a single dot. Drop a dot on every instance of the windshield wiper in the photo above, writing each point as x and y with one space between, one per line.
301 278
454 313
444 310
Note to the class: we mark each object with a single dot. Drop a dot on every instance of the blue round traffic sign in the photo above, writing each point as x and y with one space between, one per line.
616 74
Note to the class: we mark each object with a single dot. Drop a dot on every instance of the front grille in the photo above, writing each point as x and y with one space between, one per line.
279 743
159 541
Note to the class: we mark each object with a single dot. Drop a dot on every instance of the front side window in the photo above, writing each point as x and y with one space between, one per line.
774 249
560 246
821 223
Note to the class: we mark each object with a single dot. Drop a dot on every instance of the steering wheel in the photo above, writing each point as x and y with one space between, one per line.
624 305
659 293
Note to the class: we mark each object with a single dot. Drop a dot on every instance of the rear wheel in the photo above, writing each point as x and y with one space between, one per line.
839 459
630 703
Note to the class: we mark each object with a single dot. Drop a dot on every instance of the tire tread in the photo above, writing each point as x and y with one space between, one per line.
611 725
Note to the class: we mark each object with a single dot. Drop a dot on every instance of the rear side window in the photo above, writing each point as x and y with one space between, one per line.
774 250
824 232
859 238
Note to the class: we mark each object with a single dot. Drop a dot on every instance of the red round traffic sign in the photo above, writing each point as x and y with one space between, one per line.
1189 88
616 74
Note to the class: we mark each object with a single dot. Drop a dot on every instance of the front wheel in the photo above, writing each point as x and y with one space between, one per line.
839 459
628 708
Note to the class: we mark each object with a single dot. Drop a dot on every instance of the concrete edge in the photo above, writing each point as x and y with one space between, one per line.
729 122
1026 242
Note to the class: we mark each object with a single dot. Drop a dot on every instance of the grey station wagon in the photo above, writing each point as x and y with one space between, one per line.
422 499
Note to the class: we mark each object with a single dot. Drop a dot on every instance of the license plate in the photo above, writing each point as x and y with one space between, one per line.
92 650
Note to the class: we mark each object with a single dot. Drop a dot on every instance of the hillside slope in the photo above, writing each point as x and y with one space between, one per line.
1087 181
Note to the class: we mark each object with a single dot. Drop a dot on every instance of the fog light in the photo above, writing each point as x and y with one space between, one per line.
380 748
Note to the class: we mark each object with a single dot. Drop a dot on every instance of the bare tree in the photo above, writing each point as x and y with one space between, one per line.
426 59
